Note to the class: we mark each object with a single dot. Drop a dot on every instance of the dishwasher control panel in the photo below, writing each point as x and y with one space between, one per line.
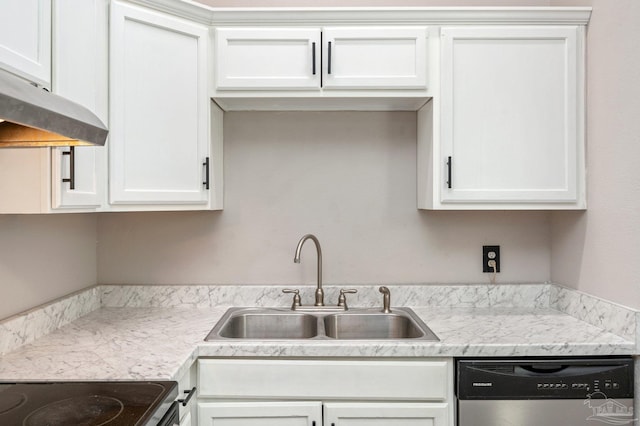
522 378
595 386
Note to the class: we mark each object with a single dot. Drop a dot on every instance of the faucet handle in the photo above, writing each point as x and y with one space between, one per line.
342 300
296 297
386 299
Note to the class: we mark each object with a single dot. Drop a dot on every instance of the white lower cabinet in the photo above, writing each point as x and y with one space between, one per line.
272 392
186 420
316 413
186 389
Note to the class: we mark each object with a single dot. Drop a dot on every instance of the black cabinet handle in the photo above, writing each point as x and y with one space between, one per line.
72 167
313 57
206 173
190 394
329 58
449 165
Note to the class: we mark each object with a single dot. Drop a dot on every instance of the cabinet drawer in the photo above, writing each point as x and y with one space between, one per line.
386 414
260 413
303 379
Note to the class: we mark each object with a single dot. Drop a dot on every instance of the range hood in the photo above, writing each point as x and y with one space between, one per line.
33 117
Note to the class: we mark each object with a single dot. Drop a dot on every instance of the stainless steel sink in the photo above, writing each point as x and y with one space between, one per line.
354 324
367 325
269 325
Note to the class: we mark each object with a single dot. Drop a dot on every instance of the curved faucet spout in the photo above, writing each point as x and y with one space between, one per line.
296 259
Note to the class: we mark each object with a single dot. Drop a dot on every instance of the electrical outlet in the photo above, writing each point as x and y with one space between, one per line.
490 253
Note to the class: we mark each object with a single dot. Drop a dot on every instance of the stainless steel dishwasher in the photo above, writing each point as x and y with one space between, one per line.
549 392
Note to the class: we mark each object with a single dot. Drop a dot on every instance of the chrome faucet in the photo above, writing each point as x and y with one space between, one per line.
296 259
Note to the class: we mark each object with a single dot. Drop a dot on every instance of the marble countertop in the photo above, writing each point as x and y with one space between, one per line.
162 343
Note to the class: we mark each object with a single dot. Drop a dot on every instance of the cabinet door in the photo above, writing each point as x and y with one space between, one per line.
186 420
25 39
386 414
260 413
267 58
186 385
158 108
511 115
375 58
80 73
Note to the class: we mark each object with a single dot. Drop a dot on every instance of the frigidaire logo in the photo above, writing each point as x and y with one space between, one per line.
482 384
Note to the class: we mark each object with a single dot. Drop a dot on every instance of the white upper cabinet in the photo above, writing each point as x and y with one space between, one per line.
159 150
25 39
511 116
267 58
311 58
499 95
329 62
374 58
52 180
80 73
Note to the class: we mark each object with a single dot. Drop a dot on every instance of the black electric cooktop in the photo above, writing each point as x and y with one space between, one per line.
85 403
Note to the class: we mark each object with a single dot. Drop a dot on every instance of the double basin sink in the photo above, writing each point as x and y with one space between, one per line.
354 324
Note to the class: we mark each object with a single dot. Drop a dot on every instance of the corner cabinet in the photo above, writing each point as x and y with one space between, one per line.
509 122
159 146
80 73
25 39
270 392
58 180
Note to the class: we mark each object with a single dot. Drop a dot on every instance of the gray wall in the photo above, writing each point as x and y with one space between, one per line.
598 251
349 178
43 257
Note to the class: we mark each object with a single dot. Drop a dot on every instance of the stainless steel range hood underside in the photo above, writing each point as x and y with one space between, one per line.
30 117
